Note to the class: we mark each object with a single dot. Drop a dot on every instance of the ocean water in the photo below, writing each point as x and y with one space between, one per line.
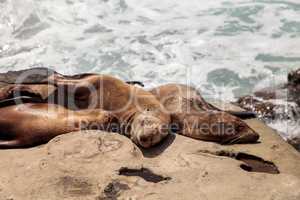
226 48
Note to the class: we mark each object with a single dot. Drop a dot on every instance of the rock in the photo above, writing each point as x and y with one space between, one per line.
278 105
276 113
263 110
34 75
294 86
287 91
96 165
294 77
268 110
276 92
29 76
71 166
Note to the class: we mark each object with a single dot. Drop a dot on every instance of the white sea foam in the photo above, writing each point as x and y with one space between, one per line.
224 47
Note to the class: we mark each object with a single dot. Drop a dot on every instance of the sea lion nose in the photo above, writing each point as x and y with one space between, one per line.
250 137
144 138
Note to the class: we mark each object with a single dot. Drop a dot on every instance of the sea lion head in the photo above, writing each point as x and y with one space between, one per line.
216 126
231 129
244 133
149 127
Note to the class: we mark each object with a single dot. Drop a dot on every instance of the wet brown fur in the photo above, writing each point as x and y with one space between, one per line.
196 118
29 124
138 111
142 114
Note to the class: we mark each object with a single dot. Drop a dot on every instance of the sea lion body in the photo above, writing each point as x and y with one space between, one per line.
144 116
137 110
196 118
32 124
139 113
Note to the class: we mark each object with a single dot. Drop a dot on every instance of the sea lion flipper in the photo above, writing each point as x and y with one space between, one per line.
5 92
19 100
25 92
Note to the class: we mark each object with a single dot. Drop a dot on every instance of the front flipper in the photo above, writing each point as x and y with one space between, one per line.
19 100
15 94
214 126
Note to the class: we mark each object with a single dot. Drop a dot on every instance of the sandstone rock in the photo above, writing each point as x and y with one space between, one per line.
95 165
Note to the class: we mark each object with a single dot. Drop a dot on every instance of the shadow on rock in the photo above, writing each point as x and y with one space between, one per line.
159 148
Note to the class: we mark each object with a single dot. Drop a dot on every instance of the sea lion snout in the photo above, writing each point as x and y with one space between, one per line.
146 139
244 134
216 126
148 130
247 135
150 137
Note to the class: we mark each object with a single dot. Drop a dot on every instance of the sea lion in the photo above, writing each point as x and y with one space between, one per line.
192 116
138 111
182 103
145 115
35 83
26 125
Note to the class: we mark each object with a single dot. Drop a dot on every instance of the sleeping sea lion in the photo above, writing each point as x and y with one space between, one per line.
142 115
194 117
26 125
139 112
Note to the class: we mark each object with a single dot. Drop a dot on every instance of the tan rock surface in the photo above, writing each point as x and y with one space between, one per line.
85 165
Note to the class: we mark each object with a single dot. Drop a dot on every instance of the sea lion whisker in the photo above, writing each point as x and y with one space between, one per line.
233 140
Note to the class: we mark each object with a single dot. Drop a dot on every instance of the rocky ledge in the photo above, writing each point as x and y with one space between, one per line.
278 104
95 165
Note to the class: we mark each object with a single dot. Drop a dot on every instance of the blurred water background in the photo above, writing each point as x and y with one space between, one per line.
225 48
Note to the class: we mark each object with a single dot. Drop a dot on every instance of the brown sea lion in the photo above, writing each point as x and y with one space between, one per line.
142 112
29 124
195 118
138 111
193 115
